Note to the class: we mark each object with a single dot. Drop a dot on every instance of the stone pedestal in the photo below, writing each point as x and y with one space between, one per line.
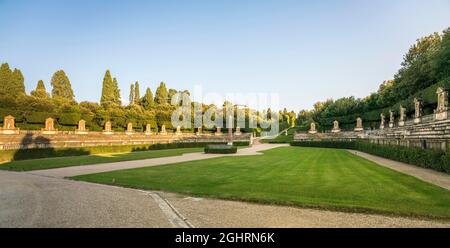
312 128
359 126
178 132
148 130
218 131
238 131
49 127
199 131
439 116
163 130
9 126
81 128
417 120
336 128
108 129
130 130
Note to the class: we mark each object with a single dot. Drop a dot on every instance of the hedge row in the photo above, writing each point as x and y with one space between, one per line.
426 158
24 154
220 149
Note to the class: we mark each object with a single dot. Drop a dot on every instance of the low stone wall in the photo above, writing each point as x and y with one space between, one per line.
36 139
429 134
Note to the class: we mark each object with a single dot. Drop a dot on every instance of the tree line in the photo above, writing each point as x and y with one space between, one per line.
31 110
425 66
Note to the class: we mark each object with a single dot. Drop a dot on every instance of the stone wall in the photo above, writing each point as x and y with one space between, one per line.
40 139
428 132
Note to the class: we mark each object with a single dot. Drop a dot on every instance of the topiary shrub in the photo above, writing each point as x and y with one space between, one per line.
220 149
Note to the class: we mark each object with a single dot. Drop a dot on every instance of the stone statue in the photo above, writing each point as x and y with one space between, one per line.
417 110
336 128
238 131
382 121
199 131
163 130
391 119
9 126
81 127
359 126
148 129
178 132
129 128
440 113
401 121
218 131
49 126
108 128
312 128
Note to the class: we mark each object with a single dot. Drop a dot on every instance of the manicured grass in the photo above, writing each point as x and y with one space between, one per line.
48 163
313 177
282 138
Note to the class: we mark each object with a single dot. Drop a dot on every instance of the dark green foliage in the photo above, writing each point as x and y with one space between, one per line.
40 91
137 94
161 95
426 158
110 92
131 96
425 67
11 82
147 101
69 119
61 86
220 149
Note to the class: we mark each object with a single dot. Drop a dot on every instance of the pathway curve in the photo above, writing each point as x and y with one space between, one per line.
97 168
37 201
434 177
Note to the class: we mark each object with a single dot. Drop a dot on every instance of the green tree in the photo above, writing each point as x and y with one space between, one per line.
61 86
147 100
131 97
110 91
116 92
161 95
40 91
137 95
5 77
17 86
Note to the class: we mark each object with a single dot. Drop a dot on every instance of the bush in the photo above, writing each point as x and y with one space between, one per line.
426 158
220 149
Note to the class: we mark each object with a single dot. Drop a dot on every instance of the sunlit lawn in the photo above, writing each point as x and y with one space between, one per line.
48 163
313 177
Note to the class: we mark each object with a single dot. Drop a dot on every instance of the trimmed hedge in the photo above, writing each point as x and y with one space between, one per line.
220 149
24 154
426 158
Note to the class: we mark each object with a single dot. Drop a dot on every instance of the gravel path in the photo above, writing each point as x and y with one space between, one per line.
36 201
97 168
434 177
205 212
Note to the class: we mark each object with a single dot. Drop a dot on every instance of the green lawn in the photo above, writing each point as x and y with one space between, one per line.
282 138
313 177
48 163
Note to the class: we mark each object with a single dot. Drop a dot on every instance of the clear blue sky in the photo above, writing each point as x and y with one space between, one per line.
304 50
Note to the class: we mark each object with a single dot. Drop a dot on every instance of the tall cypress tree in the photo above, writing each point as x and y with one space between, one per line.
116 92
147 100
40 91
137 95
61 86
5 77
131 97
161 94
17 85
108 93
